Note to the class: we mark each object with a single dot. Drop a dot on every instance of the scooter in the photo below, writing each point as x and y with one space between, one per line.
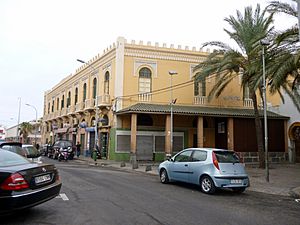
63 154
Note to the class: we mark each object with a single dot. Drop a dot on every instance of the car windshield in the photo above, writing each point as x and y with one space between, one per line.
227 157
11 159
32 151
64 144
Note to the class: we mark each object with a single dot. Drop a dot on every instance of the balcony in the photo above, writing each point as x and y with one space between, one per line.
63 112
200 100
145 97
248 103
103 100
79 106
71 110
89 104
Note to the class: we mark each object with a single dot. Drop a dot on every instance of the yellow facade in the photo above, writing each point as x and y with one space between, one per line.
123 62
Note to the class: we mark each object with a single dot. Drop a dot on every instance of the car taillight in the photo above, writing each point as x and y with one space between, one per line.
14 183
215 160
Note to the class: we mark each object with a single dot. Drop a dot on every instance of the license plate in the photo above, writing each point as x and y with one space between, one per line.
236 181
42 179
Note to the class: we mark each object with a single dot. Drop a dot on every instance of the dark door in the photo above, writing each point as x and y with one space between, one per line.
297 150
221 133
92 141
104 144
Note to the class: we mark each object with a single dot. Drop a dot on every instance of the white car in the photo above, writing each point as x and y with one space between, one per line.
32 153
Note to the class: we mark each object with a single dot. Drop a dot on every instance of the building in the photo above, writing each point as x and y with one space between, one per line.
13 134
288 109
2 132
128 91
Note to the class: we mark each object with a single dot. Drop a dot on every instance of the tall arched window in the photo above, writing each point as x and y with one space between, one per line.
62 102
144 80
57 104
106 83
200 87
94 88
69 99
84 92
52 107
76 96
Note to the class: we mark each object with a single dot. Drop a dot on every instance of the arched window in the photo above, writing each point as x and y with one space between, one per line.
104 120
69 99
57 104
94 88
62 102
84 92
52 107
48 107
200 87
144 80
106 83
76 96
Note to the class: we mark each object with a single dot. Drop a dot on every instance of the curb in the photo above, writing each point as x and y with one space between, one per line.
295 192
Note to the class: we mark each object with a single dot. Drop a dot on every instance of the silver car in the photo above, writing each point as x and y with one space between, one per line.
210 168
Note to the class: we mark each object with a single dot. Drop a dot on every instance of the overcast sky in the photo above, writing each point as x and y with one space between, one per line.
40 40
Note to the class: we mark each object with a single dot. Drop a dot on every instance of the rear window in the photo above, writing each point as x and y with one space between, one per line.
15 148
63 144
11 159
32 151
227 157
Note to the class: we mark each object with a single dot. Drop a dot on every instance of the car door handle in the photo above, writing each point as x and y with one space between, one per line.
186 165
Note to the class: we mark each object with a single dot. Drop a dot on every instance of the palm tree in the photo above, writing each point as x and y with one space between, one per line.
226 62
283 72
25 130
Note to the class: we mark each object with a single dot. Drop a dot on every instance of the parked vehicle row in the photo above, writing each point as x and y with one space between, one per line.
61 150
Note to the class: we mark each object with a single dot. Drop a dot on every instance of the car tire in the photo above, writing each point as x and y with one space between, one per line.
239 190
164 178
207 185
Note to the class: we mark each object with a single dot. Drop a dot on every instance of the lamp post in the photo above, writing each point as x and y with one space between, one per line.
18 133
35 121
171 73
265 43
96 103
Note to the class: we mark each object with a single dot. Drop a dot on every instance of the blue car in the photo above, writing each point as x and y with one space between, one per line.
210 168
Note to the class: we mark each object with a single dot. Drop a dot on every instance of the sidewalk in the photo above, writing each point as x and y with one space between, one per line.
284 179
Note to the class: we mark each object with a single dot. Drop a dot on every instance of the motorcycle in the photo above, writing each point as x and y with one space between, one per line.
64 154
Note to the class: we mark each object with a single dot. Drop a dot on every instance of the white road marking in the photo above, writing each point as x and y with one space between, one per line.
297 200
63 196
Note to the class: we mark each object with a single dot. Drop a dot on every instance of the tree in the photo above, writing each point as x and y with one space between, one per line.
226 63
25 130
283 72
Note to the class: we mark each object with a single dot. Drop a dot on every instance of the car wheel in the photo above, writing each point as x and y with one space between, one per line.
164 176
239 189
207 185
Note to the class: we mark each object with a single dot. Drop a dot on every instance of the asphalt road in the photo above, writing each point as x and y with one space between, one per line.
106 196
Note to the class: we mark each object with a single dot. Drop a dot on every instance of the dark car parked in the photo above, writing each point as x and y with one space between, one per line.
61 144
24 184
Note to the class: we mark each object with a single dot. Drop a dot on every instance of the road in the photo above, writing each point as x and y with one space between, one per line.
106 196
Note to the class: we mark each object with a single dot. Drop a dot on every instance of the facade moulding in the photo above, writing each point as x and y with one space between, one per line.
163 56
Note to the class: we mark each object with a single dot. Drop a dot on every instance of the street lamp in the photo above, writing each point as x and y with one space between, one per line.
96 103
265 43
35 121
171 73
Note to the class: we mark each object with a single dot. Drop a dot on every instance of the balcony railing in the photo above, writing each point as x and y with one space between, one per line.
79 106
89 103
200 100
71 109
248 103
103 100
145 97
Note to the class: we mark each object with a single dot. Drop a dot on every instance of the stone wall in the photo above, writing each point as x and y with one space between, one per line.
274 157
